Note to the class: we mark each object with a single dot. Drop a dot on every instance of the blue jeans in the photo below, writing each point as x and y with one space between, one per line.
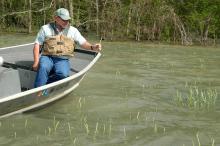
51 69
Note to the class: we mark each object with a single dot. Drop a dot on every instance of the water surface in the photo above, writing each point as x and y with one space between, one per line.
127 99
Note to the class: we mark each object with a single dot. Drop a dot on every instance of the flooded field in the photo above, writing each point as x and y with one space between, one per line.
138 94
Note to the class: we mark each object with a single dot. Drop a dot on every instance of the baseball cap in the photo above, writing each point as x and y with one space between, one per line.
63 13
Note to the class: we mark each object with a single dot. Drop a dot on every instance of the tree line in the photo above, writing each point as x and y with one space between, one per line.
174 21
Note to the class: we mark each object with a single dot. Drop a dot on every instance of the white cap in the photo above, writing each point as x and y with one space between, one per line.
63 14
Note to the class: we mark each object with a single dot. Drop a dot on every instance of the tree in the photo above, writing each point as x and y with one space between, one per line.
183 21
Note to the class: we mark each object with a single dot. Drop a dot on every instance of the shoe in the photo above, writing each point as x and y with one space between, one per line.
43 93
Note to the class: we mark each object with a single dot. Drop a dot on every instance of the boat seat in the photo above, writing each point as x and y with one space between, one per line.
27 78
9 82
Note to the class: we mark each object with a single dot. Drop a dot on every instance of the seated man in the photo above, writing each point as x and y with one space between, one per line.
56 41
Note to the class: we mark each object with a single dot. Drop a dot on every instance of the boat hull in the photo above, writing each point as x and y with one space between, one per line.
36 97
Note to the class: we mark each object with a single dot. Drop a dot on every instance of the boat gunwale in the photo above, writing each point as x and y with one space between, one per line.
51 85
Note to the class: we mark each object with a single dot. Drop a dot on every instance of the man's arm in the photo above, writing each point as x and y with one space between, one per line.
36 53
89 46
36 50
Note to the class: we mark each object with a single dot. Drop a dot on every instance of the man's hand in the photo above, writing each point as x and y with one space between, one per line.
96 47
35 66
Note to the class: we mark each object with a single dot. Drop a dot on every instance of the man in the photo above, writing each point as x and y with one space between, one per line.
56 42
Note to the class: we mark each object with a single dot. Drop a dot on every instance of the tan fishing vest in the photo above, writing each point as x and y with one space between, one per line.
58 45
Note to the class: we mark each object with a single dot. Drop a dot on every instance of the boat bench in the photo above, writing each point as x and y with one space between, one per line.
27 78
9 82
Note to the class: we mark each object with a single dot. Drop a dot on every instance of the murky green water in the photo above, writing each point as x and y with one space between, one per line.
127 99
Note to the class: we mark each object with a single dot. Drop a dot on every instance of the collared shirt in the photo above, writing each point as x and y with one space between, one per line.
72 33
